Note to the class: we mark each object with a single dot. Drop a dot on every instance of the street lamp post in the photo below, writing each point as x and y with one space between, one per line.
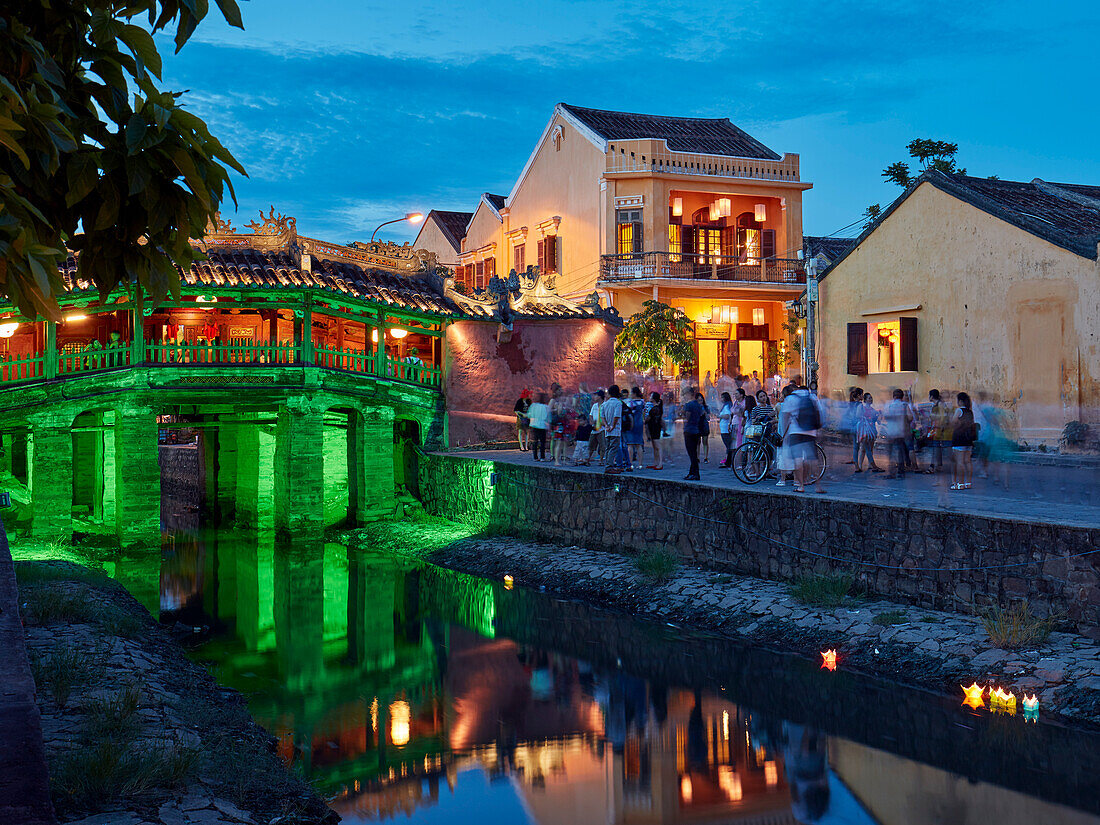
411 217
811 319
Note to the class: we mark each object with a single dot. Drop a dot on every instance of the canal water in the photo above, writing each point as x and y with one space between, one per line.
411 693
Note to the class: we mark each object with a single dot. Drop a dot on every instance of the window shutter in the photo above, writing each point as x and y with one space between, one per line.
552 253
857 349
490 268
687 240
908 344
542 256
768 243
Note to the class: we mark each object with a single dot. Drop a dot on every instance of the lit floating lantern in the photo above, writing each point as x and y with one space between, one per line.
508 581
1031 708
686 791
1002 701
400 717
828 658
974 695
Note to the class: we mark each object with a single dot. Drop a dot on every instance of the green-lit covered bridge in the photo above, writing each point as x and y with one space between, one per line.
291 368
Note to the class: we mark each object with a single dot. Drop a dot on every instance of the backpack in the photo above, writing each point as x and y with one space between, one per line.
808 416
628 417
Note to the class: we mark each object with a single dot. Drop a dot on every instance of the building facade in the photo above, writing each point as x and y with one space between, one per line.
442 233
976 285
691 212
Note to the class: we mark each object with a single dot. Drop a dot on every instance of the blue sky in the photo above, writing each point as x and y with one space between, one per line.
347 113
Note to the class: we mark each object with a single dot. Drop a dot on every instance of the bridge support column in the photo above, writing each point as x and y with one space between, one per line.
299 470
254 473
373 460
51 480
137 484
299 613
226 470
371 598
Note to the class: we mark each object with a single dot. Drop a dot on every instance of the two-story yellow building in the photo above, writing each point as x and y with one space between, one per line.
692 212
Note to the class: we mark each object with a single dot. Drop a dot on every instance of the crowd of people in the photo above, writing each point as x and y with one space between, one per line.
623 429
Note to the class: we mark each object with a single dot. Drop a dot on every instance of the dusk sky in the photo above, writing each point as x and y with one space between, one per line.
350 113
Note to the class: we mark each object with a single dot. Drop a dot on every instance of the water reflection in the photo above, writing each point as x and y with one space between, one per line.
405 690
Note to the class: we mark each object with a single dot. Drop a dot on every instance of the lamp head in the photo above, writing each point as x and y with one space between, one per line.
414 217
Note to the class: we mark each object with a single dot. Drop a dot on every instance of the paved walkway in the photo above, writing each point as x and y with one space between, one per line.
1069 496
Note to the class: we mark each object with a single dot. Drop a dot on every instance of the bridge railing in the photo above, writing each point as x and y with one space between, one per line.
346 360
94 360
17 369
236 351
414 373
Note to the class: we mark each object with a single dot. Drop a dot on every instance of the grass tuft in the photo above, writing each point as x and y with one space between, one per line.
828 590
1016 627
890 617
61 671
107 771
657 563
113 718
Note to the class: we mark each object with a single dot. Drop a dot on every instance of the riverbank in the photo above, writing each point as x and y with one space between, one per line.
931 649
135 733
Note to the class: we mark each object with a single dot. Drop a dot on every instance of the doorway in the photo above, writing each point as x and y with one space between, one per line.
751 357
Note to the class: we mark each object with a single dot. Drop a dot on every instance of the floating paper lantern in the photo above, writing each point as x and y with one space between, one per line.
974 695
508 581
828 659
1031 708
1002 701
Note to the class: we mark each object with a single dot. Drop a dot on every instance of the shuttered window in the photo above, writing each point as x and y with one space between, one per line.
768 243
631 239
908 344
857 349
519 257
479 275
551 252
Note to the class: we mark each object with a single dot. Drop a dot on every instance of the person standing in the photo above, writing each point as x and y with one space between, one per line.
655 423
940 428
899 422
704 431
538 415
867 432
693 416
595 418
964 432
612 414
668 433
784 458
738 420
726 428
754 386
523 426
850 421
636 437
582 441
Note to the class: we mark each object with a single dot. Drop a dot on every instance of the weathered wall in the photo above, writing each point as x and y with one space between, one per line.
582 509
483 378
997 309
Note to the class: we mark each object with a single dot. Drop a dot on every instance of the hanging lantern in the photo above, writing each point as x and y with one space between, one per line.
725 207
677 207
828 659
974 695
760 212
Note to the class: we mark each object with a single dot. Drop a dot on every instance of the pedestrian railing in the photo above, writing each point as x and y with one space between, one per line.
95 359
346 360
414 373
15 370
236 351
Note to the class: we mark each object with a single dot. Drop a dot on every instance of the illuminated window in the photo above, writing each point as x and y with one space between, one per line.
675 241
519 257
882 347
758 317
630 231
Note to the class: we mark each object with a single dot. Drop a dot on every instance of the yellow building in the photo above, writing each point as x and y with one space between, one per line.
692 212
976 285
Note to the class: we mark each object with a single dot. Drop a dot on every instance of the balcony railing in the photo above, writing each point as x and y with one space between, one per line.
234 353
649 265
641 156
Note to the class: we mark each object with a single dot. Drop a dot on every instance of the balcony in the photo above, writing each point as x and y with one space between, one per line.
652 156
667 265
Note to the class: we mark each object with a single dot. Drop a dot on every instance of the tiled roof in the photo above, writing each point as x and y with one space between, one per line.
1065 214
711 136
254 268
496 201
452 225
831 248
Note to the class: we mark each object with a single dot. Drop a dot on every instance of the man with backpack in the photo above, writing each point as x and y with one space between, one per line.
801 434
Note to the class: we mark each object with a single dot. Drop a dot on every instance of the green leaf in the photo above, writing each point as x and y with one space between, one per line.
135 132
140 42
231 12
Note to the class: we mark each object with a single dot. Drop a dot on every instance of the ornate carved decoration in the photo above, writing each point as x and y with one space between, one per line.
272 224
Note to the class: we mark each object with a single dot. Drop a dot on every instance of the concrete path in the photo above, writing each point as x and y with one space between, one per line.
1069 496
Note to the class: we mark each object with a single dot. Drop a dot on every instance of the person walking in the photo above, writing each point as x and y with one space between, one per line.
867 432
898 422
850 421
784 458
668 433
654 423
595 417
704 430
693 415
612 413
738 419
725 429
804 418
635 439
964 432
538 415
523 425
562 425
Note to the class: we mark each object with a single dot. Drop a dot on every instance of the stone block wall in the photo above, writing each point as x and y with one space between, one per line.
484 376
784 537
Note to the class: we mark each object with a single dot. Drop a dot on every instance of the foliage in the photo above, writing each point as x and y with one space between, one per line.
930 154
60 671
1016 627
110 770
827 590
871 214
95 158
654 335
890 617
1075 432
657 563
113 717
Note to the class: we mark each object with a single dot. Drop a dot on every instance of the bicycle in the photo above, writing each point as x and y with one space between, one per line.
754 460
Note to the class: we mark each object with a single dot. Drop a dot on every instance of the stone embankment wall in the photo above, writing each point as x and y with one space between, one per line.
784 537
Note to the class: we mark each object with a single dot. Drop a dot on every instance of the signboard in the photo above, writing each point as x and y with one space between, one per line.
811 289
711 332
242 332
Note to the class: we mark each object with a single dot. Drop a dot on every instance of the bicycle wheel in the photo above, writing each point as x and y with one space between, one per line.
822 462
751 462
